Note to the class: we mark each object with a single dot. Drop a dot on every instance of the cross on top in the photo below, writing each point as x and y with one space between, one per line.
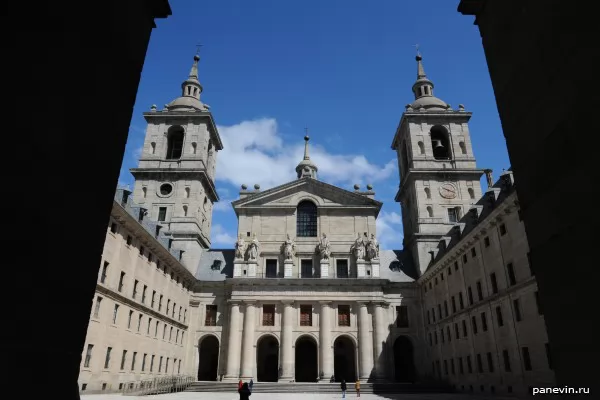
416 46
198 48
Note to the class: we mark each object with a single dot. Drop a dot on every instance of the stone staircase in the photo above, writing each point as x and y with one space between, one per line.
285 387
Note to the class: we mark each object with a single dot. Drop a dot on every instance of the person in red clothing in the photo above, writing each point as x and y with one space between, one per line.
244 392
240 384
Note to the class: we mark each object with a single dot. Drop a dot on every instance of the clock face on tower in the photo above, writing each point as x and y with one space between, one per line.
448 191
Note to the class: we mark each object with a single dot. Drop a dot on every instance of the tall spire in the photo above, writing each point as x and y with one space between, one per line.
306 168
190 92
423 89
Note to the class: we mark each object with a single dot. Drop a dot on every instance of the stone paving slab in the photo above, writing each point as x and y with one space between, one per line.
293 396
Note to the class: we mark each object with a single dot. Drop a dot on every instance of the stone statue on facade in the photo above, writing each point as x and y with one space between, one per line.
289 248
373 248
240 248
358 248
253 248
324 247
489 177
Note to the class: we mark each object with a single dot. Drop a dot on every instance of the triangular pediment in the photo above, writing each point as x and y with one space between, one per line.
291 193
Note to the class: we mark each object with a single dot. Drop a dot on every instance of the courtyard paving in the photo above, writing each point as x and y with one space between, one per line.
291 396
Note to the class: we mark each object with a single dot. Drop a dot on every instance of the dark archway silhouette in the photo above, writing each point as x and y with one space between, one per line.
307 368
344 359
267 359
440 143
404 366
209 359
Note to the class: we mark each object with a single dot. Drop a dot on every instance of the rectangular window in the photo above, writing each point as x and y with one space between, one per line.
170 334
121 281
433 314
490 362
452 215
115 314
442 276
474 325
341 268
152 363
469 365
142 251
479 291
162 214
113 227
453 305
134 291
456 332
129 240
461 302
465 259
139 326
506 359
512 280
149 324
526 358
271 268
144 294
436 336
160 302
502 229
179 367
179 315
464 327
144 361
305 315
548 355
97 308
167 366
107 358
88 356
448 333
268 315
439 311
538 303
173 310
184 315
104 272
164 331
160 364
211 315
473 252
177 336
150 257
517 308
479 363
449 272
470 295
123 359
499 316
156 329
483 322
445 367
494 282
461 367
402 316
445 308
442 335
486 241
343 315
306 268
153 298
456 265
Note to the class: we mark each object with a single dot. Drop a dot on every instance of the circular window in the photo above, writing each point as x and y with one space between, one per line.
166 189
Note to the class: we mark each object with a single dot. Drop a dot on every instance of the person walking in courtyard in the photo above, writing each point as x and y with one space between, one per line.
240 383
343 387
357 387
244 392
251 384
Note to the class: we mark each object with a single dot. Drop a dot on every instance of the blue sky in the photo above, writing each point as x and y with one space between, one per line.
344 69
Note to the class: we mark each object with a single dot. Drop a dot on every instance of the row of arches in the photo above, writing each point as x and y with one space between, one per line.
345 359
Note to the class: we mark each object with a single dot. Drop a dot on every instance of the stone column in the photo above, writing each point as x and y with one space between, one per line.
234 343
379 337
248 349
287 349
325 338
365 342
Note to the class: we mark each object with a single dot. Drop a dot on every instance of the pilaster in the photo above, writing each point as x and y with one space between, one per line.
234 343
365 343
287 351
248 349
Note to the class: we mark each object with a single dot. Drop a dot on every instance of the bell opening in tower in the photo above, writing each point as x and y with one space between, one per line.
440 143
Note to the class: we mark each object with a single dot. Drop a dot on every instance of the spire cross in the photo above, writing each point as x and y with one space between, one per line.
306 131
198 48
416 46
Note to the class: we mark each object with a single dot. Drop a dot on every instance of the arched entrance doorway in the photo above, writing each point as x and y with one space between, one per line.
209 358
403 360
267 359
307 368
344 359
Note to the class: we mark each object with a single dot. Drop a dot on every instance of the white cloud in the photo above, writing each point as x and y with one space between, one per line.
221 237
255 152
223 205
389 230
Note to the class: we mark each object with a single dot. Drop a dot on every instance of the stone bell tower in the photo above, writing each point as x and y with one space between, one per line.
175 178
439 179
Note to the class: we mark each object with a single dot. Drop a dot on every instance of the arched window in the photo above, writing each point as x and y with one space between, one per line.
428 193
421 148
144 192
471 193
306 219
153 146
429 212
185 210
187 192
440 143
463 147
174 143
